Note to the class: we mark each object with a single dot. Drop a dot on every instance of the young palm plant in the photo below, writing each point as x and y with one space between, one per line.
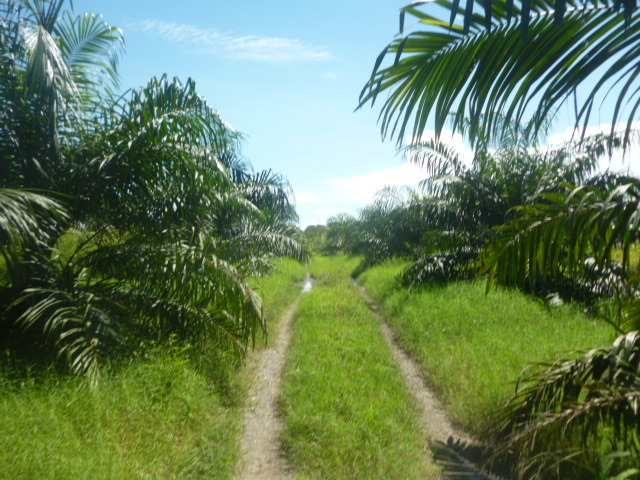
160 230
576 418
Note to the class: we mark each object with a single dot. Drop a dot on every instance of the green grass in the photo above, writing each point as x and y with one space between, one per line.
347 413
156 419
634 256
174 414
473 346
279 290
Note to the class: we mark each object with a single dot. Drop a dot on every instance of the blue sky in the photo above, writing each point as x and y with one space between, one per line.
287 74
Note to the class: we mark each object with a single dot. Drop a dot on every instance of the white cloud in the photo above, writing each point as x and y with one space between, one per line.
348 194
618 162
361 189
451 139
351 194
235 47
333 75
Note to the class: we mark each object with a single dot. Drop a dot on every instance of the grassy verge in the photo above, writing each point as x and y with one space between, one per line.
279 290
347 413
158 418
173 414
473 346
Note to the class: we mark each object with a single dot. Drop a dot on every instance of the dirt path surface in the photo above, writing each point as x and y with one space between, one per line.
439 427
261 456
452 448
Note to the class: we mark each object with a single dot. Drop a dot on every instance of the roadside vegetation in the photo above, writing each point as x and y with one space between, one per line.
497 72
135 244
472 346
172 412
346 410
159 417
126 219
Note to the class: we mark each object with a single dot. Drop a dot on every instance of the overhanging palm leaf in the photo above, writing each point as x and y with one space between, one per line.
483 64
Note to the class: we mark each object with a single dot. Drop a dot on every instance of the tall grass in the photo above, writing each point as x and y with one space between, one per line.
473 346
158 418
279 289
346 410
176 413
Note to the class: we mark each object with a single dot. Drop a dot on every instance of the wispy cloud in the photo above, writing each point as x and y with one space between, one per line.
333 75
350 194
363 188
233 46
358 191
620 161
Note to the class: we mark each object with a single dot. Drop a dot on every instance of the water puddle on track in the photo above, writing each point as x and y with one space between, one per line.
308 286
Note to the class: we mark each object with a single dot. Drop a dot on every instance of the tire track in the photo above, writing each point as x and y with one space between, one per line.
261 454
454 451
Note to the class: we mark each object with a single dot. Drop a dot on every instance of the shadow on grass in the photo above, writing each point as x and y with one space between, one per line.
462 461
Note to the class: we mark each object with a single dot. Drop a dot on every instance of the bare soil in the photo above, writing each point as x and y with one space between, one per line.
261 453
433 416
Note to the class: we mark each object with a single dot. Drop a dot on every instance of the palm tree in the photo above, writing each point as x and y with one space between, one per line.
570 232
159 230
519 61
54 67
445 226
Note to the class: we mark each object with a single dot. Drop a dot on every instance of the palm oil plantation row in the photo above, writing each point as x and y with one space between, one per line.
142 257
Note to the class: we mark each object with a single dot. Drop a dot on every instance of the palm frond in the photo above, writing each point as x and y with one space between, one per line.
472 66
73 322
91 48
561 232
594 397
27 217
435 157
441 267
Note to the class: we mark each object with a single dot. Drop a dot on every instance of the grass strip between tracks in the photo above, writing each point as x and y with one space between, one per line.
347 412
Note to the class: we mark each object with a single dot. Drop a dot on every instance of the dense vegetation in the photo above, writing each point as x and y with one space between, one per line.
125 219
133 235
171 412
485 66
